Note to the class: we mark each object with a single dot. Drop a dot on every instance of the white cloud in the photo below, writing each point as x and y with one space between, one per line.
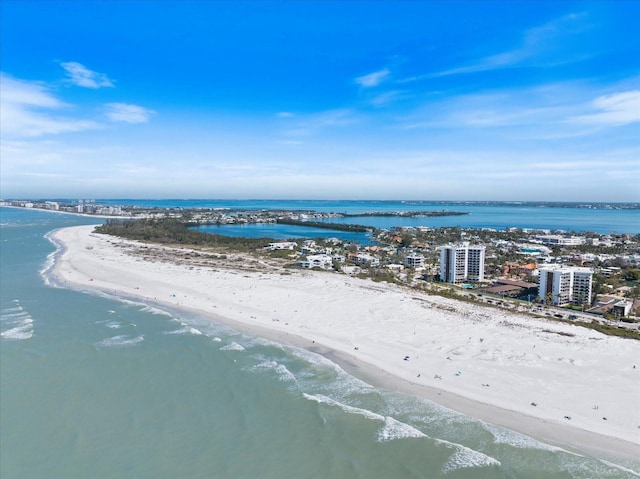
285 114
27 111
555 112
30 109
372 79
22 92
19 122
80 75
615 109
128 113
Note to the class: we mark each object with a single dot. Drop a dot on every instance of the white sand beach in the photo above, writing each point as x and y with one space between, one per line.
553 381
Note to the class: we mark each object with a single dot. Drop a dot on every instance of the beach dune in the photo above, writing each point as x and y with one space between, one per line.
560 383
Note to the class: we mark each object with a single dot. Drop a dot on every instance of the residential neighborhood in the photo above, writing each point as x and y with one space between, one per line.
587 273
597 274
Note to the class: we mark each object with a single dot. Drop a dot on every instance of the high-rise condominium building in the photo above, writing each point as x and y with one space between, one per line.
565 284
461 262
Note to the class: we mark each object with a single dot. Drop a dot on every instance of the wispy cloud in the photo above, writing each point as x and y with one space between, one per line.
372 79
309 125
614 109
128 113
540 46
80 75
550 112
30 109
33 93
386 98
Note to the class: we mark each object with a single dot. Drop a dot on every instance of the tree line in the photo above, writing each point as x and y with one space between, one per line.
176 232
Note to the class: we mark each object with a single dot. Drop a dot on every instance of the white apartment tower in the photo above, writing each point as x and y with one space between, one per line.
565 284
461 262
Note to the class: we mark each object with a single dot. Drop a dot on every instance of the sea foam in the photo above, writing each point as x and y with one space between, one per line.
47 268
394 429
514 439
281 370
232 347
184 329
465 457
153 310
16 323
391 428
120 341
621 468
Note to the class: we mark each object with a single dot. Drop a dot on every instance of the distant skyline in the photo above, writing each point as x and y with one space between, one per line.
434 100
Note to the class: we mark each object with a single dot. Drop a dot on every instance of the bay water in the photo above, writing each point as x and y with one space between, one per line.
93 386
573 217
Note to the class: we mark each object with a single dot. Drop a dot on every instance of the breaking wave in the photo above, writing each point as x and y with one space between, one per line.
465 457
120 341
232 347
281 370
16 323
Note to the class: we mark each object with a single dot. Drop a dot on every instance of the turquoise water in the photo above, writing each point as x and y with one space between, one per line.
282 231
100 387
569 217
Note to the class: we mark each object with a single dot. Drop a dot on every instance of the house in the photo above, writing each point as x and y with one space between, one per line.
530 269
414 261
322 261
622 308
365 259
338 257
308 247
290 245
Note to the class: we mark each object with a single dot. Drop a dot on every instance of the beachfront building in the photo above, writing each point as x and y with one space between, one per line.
290 245
363 259
414 261
322 261
338 257
462 262
556 240
561 284
622 308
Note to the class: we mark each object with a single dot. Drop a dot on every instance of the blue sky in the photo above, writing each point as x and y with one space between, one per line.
475 100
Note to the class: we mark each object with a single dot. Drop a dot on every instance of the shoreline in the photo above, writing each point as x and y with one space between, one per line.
366 335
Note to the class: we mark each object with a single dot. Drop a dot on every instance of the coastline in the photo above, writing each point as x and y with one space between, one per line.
507 362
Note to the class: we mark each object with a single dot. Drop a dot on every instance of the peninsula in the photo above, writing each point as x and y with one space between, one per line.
560 383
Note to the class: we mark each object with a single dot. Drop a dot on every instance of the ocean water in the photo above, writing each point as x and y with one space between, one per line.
101 387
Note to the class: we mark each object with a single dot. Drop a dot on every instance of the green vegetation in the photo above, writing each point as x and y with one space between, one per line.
608 329
176 232
405 214
632 275
380 275
328 226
